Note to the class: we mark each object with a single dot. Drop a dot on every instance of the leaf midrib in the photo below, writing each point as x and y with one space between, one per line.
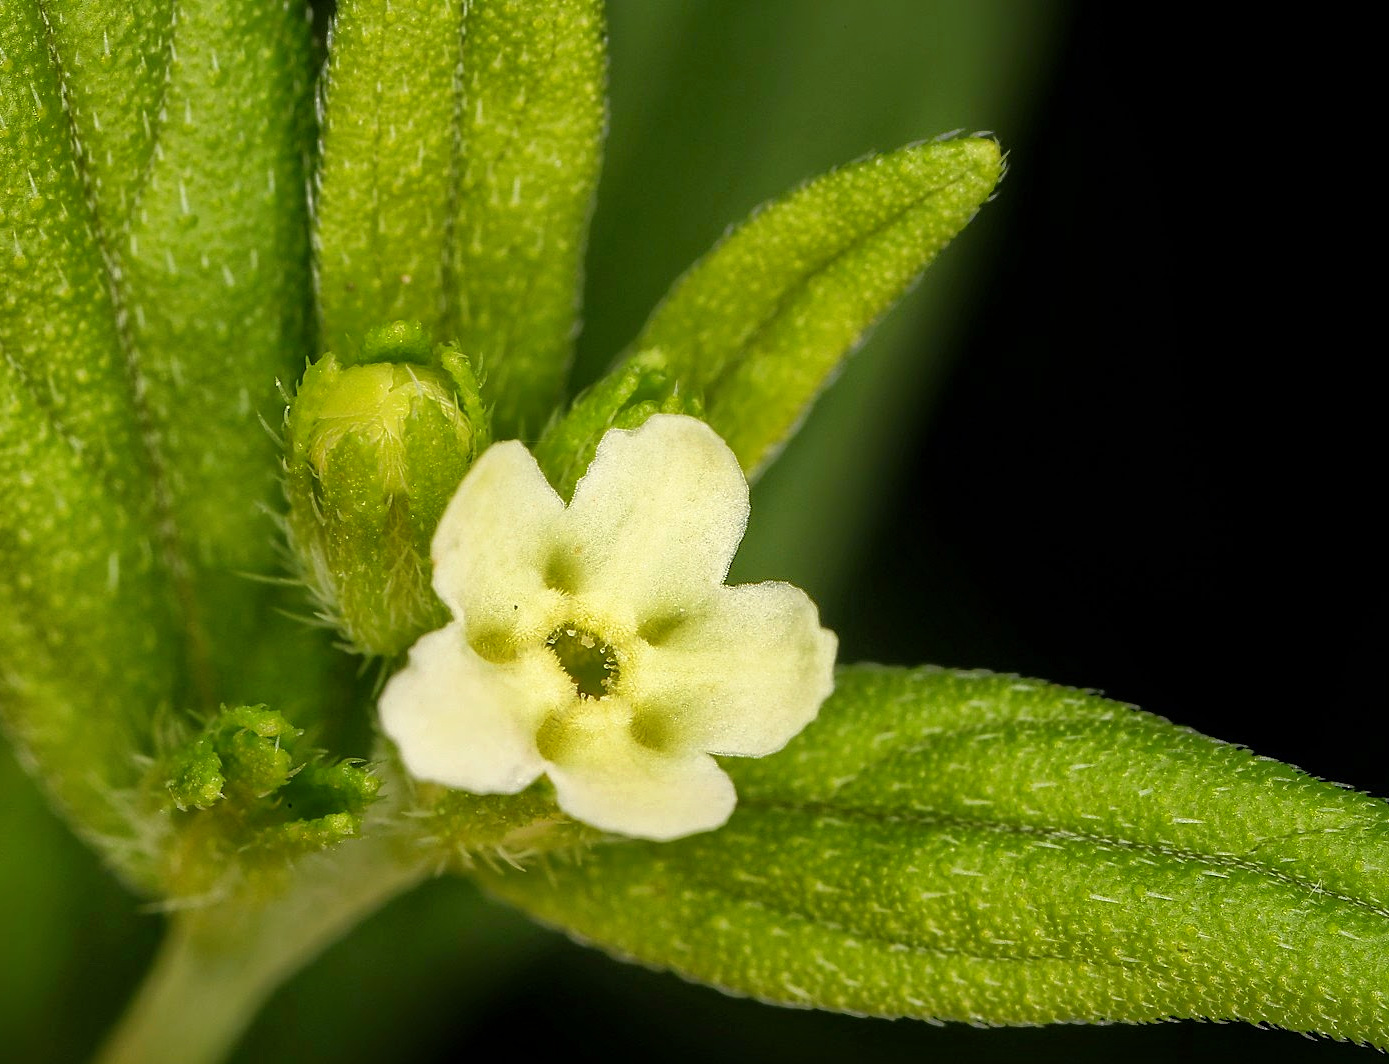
755 902
947 820
166 533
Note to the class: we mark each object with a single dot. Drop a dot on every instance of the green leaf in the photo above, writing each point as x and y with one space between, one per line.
533 119
87 630
387 169
763 100
760 323
183 125
60 327
86 622
967 846
113 58
212 274
156 282
188 122
216 263
460 154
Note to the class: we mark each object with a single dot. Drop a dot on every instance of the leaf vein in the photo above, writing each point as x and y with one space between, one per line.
948 820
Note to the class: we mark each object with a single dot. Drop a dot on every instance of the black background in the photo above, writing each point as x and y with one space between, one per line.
1152 471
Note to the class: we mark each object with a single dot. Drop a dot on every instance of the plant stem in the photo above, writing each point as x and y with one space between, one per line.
218 965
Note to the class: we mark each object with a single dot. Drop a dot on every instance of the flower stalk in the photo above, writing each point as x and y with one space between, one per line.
218 964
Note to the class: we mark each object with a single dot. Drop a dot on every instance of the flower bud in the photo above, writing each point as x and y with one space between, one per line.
631 393
375 451
247 794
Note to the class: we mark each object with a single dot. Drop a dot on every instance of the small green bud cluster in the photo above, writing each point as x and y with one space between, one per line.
247 786
374 452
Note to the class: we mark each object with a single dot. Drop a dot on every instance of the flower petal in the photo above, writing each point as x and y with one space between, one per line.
465 722
491 548
613 783
742 676
657 518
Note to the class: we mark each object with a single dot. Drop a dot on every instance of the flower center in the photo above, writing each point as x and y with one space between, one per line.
588 660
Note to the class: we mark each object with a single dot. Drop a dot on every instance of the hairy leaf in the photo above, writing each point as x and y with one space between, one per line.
532 126
760 323
388 168
86 624
976 847
60 319
155 284
188 122
214 262
460 155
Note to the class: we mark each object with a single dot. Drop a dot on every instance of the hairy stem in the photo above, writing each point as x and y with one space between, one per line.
218 965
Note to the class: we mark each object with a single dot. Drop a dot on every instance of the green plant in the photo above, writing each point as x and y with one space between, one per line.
150 290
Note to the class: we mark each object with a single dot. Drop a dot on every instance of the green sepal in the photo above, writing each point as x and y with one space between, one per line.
374 452
974 847
468 390
459 830
409 341
759 324
245 795
641 386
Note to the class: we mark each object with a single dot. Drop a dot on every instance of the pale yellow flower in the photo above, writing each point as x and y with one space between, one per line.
597 644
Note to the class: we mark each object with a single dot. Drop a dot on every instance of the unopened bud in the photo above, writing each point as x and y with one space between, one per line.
624 399
375 452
